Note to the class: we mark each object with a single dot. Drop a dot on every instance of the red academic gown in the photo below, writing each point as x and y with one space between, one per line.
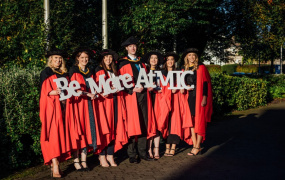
132 122
108 106
51 115
167 102
78 118
202 114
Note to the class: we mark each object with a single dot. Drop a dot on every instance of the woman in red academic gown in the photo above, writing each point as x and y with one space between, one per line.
52 112
153 59
199 98
108 104
171 126
85 127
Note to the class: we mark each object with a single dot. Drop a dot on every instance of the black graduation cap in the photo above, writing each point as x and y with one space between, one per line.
130 40
81 49
189 50
147 56
56 51
176 56
108 52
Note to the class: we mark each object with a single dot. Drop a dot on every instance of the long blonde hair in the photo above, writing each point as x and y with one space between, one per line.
62 66
187 64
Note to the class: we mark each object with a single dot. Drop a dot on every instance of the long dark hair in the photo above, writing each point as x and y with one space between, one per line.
165 65
113 66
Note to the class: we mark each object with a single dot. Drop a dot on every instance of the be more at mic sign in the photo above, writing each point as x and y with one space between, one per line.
125 80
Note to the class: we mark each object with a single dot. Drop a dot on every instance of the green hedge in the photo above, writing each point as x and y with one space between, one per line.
237 93
229 68
276 86
19 118
19 112
213 69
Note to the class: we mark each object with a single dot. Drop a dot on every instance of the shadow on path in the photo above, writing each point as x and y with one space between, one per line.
250 147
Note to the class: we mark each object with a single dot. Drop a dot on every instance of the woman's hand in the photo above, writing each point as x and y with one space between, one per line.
191 89
138 90
92 96
55 92
204 101
174 91
181 91
150 89
159 91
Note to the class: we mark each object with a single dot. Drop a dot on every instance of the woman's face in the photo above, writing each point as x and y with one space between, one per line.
108 60
153 60
170 61
83 59
191 57
56 61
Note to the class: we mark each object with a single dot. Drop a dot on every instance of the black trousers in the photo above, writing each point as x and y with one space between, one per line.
142 139
109 149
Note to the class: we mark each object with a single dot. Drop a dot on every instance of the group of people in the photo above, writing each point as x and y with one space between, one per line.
135 117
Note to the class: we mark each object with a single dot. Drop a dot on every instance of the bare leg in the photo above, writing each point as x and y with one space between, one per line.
55 168
84 158
167 150
76 160
197 148
172 150
156 140
110 159
103 161
194 137
149 147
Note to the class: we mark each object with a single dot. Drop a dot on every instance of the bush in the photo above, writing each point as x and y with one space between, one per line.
229 68
247 69
213 69
231 93
19 119
276 86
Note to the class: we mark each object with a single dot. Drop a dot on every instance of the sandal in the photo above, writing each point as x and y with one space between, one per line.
171 154
167 154
85 168
198 153
81 168
104 160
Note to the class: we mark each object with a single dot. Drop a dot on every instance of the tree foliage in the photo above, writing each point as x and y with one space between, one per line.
21 32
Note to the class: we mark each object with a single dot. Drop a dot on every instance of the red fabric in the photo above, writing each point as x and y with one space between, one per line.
203 114
167 102
162 107
52 132
132 122
106 106
77 120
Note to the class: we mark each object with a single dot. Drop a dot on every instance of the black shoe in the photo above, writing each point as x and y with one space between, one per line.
133 160
85 169
145 158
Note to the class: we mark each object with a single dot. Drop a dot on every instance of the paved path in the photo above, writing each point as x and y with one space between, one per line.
246 145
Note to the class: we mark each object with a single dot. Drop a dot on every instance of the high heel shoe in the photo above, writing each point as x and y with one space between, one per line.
85 168
198 153
167 154
52 175
110 159
81 168
101 157
171 154
156 157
